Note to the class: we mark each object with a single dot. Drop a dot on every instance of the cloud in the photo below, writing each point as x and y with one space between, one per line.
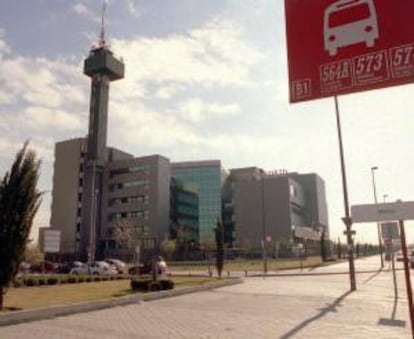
4 47
197 110
82 10
49 83
134 8
46 118
167 92
214 55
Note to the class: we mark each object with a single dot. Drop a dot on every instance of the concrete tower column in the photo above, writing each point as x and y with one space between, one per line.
102 67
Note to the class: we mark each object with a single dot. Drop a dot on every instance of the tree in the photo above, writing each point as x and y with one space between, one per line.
220 248
33 253
19 202
168 247
323 245
339 249
128 235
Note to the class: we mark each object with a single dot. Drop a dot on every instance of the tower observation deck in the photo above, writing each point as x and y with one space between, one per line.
102 67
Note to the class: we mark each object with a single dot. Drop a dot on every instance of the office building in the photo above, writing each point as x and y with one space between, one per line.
273 206
205 177
134 192
184 212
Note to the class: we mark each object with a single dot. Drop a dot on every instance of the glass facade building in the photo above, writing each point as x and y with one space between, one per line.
184 212
206 176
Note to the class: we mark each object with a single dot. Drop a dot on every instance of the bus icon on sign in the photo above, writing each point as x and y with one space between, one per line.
347 22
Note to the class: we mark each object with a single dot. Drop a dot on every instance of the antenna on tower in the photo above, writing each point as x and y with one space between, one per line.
102 42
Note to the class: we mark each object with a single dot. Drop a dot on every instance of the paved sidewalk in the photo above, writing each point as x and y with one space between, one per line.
317 306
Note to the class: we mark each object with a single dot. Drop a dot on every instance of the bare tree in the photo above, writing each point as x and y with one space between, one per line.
127 233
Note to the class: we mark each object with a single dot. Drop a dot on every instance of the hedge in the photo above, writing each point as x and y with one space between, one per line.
147 285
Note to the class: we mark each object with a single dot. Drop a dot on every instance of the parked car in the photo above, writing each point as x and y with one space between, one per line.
142 268
146 268
96 268
65 268
44 267
24 267
118 264
161 265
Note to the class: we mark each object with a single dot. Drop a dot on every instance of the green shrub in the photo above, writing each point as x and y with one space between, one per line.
64 280
141 285
41 281
97 278
52 281
166 284
18 282
81 279
88 279
73 280
154 286
30 282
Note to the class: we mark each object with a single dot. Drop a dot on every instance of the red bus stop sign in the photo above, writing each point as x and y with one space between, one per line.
345 46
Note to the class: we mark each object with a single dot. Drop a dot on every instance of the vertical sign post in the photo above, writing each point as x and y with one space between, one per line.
407 274
338 47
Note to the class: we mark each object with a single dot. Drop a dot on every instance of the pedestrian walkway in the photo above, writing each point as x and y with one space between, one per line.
317 306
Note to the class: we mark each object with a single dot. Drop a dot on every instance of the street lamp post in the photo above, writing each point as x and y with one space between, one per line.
373 169
300 246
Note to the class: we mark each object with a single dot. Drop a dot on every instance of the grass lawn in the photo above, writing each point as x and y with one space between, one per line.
42 296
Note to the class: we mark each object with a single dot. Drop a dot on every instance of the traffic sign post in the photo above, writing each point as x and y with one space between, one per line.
338 47
350 46
390 212
407 275
51 241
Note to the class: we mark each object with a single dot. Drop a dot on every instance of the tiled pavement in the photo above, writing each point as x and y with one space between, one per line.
317 306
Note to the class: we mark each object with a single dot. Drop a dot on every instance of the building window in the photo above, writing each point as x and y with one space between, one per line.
293 190
140 199
138 183
144 169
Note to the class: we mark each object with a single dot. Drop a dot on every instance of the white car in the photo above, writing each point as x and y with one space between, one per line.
96 268
118 264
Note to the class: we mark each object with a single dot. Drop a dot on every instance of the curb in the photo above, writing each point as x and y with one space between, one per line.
16 317
315 274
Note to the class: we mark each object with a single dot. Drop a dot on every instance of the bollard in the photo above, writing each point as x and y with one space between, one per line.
245 273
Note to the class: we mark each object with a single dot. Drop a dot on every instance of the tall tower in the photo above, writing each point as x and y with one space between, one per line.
102 67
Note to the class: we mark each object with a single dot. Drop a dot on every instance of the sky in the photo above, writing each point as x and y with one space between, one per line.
203 80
